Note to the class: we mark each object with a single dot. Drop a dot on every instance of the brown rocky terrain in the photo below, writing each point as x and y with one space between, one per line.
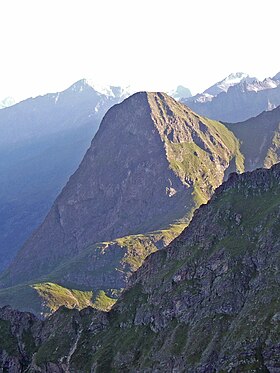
150 164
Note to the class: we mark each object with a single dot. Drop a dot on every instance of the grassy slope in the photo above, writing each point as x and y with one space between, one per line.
196 160
192 161
232 244
47 294
45 298
207 329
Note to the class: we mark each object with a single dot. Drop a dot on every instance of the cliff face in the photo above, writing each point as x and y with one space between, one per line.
207 303
151 163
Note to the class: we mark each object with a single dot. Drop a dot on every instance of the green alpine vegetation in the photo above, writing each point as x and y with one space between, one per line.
100 268
124 204
45 298
209 302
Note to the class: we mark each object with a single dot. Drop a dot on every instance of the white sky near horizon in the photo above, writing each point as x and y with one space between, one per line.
47 45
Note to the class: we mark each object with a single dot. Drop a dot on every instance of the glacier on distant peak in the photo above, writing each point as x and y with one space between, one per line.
109 90
229 81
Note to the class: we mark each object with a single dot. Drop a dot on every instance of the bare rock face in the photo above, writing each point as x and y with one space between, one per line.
16 340
151 163
209 302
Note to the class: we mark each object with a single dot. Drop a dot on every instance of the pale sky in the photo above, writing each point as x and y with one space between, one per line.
46 45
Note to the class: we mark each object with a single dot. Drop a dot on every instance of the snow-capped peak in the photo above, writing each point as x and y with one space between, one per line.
105 90
258 85
6 102
229 81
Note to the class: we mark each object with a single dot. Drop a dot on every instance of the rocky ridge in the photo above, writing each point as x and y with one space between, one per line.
120 190
101 271
207 303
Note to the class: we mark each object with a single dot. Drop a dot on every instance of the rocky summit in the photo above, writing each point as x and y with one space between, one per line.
207 303
151 163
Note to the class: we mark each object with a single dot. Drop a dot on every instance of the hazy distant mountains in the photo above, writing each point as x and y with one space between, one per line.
236 98
180 93
42 142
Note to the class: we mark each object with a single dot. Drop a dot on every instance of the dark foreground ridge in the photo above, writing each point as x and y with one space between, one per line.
210 302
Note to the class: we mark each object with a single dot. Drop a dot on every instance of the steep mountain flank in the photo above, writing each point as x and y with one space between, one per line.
42 142
260 139
207 303
150 164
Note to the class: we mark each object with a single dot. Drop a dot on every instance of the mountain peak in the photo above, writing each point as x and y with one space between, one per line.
133 179
105 90
231 80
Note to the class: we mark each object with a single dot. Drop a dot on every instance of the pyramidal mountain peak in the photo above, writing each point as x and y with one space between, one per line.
120 190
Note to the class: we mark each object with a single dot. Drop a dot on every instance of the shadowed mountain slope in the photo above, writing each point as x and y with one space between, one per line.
259 139
150 164
207 303
42 142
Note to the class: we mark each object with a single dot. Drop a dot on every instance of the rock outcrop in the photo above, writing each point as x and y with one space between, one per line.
207 303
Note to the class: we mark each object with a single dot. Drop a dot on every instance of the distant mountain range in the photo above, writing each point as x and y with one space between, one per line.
236 98
42 142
